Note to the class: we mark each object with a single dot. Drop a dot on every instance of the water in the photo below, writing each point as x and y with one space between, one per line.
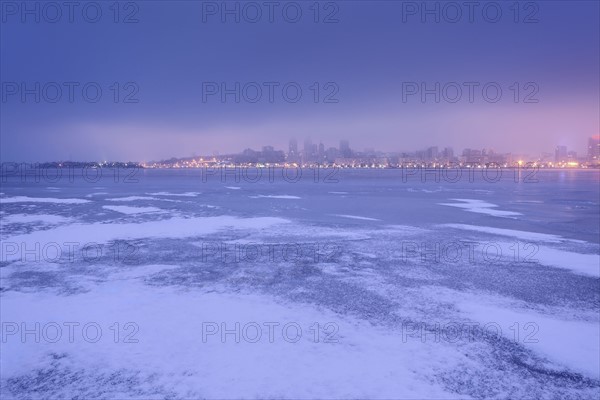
385 263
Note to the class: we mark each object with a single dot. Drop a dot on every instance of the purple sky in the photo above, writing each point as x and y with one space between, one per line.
365 61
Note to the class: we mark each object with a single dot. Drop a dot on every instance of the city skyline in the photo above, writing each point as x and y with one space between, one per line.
579 147
560 153
313 153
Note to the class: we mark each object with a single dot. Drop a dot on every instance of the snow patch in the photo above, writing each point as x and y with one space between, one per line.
283 196
29 218
481 207
524 235
25 199
177 227
132 210
185 194
356 217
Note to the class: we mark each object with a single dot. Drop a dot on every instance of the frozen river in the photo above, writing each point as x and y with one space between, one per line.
325 284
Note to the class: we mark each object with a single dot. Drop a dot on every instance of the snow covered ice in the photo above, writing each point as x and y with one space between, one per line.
177 288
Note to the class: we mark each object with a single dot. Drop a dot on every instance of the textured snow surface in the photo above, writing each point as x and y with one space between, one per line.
368 291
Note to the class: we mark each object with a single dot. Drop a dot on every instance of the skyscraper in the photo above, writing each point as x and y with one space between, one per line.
293 155
432 153
307 152
560 154
593 151
448 154
345 150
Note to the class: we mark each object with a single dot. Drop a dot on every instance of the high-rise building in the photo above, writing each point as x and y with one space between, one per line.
560 154
293 147
473 156
270 155
593 150
431 153
448 154
321 153
309 152
491 157
331 154
345 150
293 155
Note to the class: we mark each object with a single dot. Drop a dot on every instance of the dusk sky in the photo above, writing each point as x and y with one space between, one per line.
365 57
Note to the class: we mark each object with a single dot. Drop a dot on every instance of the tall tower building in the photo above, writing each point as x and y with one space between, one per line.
448 153
345 150
560 154
432 153
293 155
307 153
593 150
